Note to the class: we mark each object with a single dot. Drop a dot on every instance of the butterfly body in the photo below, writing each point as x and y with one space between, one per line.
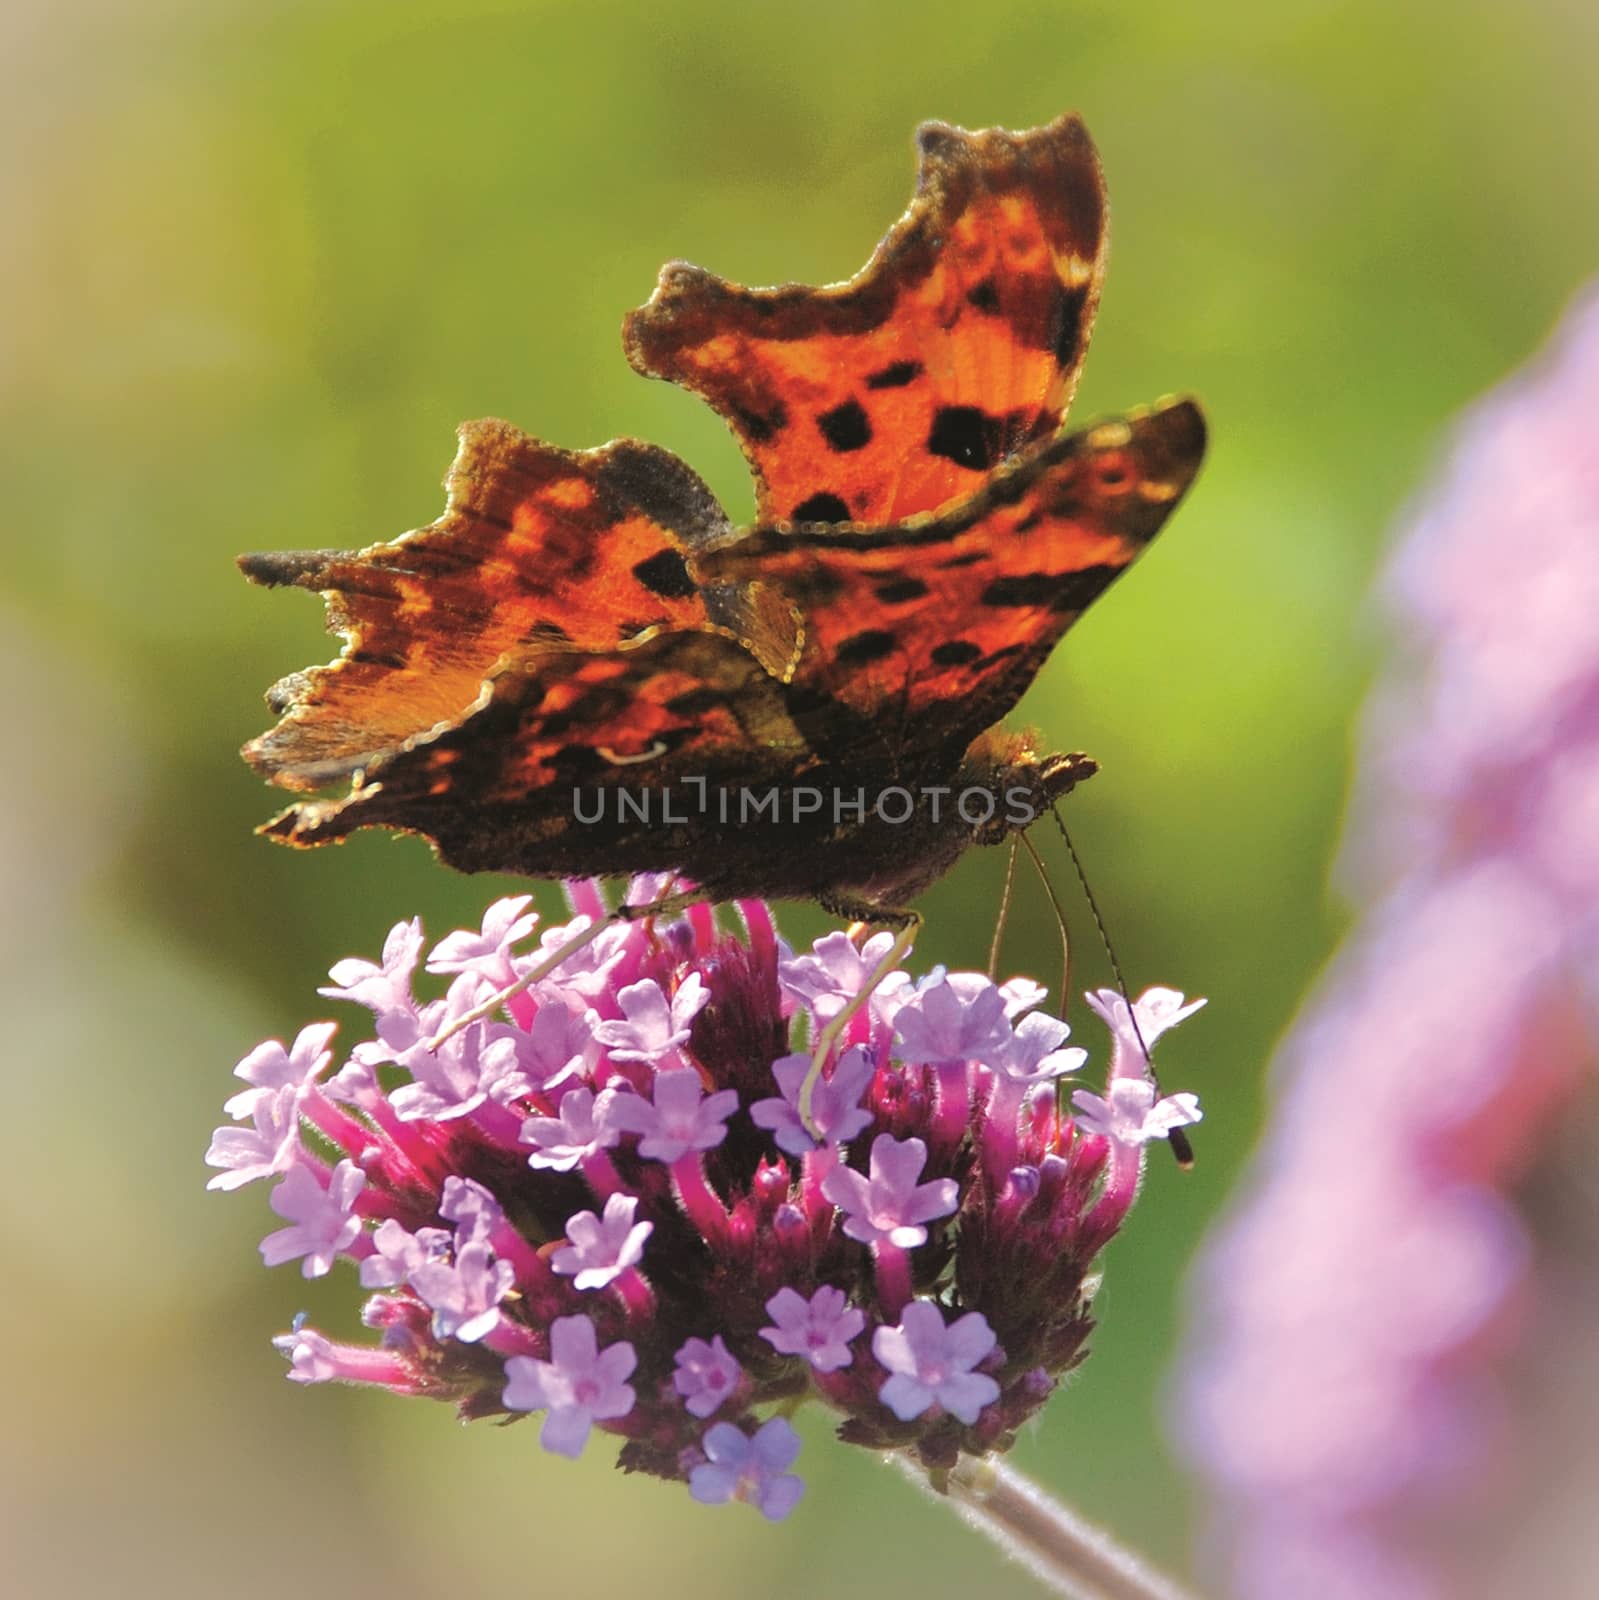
583 668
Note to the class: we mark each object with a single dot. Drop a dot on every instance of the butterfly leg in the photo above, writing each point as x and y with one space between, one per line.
667 905
909 924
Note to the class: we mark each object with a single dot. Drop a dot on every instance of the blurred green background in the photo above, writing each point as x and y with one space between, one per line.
259 261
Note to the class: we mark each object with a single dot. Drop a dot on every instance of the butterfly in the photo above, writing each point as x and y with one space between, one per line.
583 669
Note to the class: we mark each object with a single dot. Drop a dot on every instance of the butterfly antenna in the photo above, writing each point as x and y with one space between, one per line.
1004 912
1060 922
1177 1139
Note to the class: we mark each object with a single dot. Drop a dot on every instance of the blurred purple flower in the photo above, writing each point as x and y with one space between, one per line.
1362 1315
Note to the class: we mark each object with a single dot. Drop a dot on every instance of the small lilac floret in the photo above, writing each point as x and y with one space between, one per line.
1130 1114
1033 1054
579 1385
323 1221
931 1363
706 1375
754 1470
836 1111
396 1254
890 1206
487 954
958 1017
560 1044
475 1212
460 1075
602 1248
1156 1009
834 972
655 1028
819 1329
583 1129
464 1295
380 986
1022 994
680 1117
270 1147
269 1066
309 1353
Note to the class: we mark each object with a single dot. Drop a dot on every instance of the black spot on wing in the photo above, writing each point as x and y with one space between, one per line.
896 591
762 426
860 648
1069 324
984 296
845 427
665 573
895 376
956 653
955 563
1059 591
966 435
823 507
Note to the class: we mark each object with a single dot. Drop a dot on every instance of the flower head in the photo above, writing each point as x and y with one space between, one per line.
605 1205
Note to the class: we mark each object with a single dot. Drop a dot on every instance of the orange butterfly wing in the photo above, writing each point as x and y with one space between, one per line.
538 547
932 630
548 739
956 345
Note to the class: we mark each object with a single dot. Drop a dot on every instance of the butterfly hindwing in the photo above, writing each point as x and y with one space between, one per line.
552 737
933 629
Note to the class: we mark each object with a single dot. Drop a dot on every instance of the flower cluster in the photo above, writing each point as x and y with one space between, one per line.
605 1205
1367 1325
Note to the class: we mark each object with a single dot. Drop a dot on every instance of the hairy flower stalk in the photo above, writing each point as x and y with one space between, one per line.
606 1208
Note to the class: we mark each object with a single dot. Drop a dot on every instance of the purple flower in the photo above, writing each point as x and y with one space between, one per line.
706 1375
1156 1011
1033 1054
464 1294
1395 1322
385 986
836 1108
396 1254
459 1076
602 1249
464 1167
655 1027
310 1355
679 1117
1132 1114
820 1329
559 1044
959 1017
579 1385
487 953
269 1147
322 1220
754 1470
475 1212
931 1363
836 971
583 1129
890 1205
270 1067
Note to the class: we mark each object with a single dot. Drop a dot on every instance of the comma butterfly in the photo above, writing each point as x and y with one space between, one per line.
583 669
